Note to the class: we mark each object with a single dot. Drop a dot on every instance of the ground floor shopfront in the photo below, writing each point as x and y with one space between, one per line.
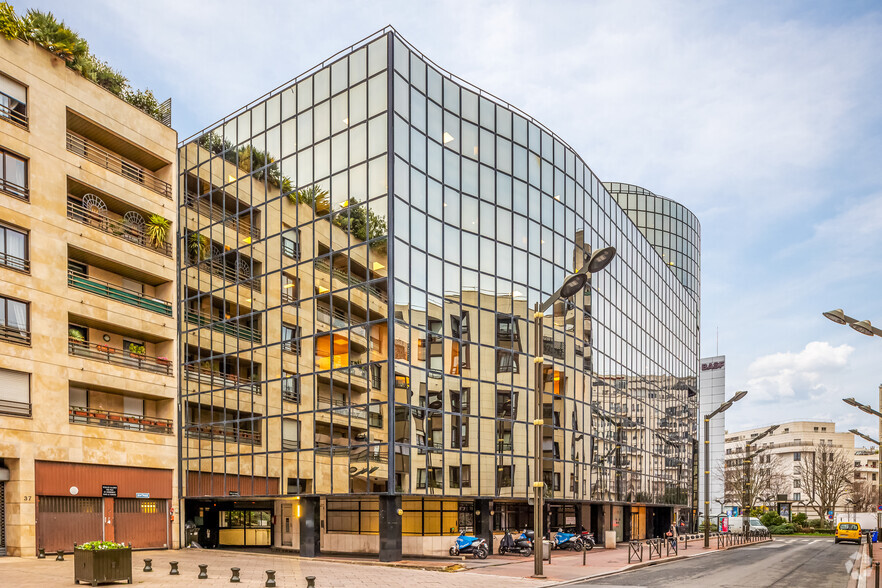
397 526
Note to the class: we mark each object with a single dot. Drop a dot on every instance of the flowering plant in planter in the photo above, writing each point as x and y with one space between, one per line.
99 545
98 562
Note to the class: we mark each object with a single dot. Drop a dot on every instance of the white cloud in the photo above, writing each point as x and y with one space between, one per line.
803 375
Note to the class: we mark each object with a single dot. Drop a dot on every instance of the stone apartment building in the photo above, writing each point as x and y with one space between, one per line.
87 321
789 446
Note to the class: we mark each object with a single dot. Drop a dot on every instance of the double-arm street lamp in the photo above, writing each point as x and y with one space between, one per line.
720 409
864 328
573 284
747 498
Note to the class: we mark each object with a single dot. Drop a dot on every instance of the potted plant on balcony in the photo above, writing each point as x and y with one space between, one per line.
76 337
198 245
137 351
102 561
157 230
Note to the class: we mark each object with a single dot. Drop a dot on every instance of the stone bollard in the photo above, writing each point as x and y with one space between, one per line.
235 578
41 553
59 555
203 572
310 581
148 565
174 569
270 579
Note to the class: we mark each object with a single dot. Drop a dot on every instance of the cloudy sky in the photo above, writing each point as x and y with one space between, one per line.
764 118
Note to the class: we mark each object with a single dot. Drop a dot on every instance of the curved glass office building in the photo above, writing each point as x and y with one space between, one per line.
362 248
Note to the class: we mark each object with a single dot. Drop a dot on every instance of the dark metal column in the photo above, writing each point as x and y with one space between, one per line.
310 527
484 522
390 528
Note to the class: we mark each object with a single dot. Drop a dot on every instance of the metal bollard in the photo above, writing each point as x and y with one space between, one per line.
235 578
310 581
174 569
41 553
270 579
203 572
876 569
59 555
148 565
584 555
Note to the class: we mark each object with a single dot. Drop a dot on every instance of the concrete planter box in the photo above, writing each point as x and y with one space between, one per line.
102 565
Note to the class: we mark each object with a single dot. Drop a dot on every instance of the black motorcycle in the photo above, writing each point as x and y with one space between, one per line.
523 544
587 540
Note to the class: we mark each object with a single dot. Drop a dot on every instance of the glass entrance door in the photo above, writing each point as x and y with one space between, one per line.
246 528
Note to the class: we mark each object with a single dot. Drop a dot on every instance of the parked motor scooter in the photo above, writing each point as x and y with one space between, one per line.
525 542
567 541
466 544
523 545
587 538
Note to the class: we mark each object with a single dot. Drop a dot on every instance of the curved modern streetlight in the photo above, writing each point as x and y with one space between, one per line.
720 409
599 259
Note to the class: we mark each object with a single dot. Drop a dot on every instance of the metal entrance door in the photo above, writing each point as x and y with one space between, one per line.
287 526
65 520
143 523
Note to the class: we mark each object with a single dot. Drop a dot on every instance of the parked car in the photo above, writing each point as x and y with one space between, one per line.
848 532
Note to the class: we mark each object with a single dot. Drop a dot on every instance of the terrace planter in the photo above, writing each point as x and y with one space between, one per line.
97 566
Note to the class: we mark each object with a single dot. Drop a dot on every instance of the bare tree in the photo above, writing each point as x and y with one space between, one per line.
767 474
826 477
863 496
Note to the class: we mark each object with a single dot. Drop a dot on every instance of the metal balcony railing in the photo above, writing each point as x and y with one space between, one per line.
99 155
230 327
81 281
14 334
222 433
116 227
241 224
228 273
16 263
352 280
120 420
338 320
11 115
217 379
342 408
14 408
13 189
121 357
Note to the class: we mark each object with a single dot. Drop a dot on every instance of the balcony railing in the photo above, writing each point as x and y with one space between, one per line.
131 233
342 408
230 274
16 263
240 224
231 327
216 379
338 320
12 115
121 357
352 280
228 434
290 390
120 420
98 155
11 407
81 281
14 189
14 334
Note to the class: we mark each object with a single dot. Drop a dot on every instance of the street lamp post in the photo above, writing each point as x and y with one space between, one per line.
720 409
574 283
746 494
869 410
864 328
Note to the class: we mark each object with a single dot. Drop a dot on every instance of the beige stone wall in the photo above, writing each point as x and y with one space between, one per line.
53 92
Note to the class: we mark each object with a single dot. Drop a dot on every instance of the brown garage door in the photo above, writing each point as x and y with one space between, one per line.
143 523
65 520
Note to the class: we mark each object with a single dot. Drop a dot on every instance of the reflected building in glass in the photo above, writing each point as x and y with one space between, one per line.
362 248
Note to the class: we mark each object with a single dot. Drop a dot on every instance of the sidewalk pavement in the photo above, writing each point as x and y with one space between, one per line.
340 571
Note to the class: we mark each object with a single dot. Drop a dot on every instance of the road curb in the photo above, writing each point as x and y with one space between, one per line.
646 564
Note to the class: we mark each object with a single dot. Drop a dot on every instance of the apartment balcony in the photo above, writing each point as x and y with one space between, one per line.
122 227
351 280
13 334
16 115
120 420
241 224
225 434
120 357
100 156
82 281
220 380
228 327
13 408
228 273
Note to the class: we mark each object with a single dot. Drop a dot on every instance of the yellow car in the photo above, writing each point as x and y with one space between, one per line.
848 532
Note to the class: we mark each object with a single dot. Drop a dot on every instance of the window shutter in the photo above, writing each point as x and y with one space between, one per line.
15 386
13 89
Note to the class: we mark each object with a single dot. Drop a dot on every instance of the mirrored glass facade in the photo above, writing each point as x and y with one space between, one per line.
364 248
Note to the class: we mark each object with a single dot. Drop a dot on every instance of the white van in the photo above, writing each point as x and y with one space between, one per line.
736 524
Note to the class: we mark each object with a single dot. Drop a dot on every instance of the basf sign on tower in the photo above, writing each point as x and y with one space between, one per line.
712 393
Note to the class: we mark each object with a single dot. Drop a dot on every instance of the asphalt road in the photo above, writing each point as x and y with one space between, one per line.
795 562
